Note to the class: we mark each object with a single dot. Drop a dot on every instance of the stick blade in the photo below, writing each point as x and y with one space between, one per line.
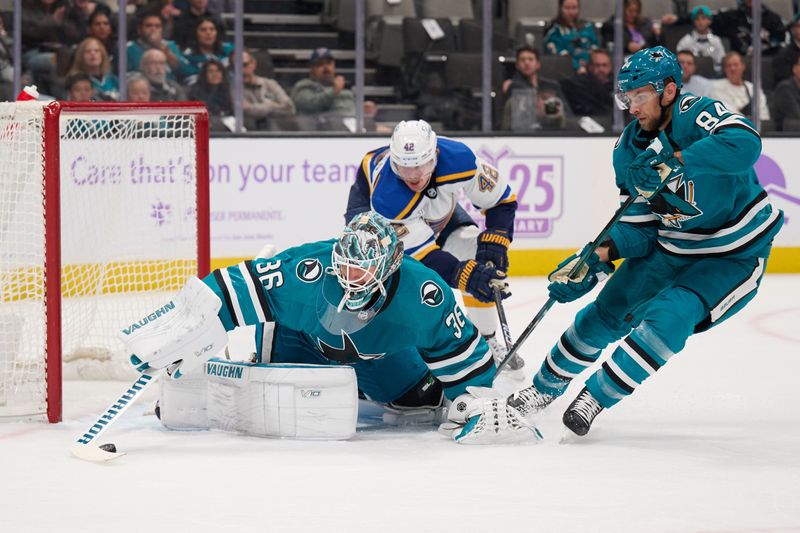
94 454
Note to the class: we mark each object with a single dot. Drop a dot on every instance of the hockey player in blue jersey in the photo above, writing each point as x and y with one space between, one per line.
415 182
351 301
695 243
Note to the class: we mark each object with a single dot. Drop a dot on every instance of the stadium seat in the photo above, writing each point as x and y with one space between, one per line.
671 34
767 73
530 33
783 8
385 29
556 67
464 71
596 10
418 50
530 12
454 9
264 63
655 9
470 34
705 67
713 5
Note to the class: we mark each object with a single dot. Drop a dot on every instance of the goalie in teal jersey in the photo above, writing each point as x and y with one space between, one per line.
353 301
695 243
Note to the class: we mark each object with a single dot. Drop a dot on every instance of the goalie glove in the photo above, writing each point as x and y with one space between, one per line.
182 333
493 248
564 289
653 168
481 416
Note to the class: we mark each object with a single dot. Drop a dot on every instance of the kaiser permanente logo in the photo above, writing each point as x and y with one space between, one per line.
538 181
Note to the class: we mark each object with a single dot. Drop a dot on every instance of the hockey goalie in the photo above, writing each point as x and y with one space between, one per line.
334 320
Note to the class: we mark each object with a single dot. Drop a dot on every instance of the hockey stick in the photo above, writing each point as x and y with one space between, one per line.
581 261
85 447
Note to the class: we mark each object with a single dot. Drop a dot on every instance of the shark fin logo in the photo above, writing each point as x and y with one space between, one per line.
675 203
309 270
431 294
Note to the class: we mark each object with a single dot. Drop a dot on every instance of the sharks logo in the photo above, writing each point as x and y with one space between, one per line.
675 203
431 294
687 102
348 353
309 270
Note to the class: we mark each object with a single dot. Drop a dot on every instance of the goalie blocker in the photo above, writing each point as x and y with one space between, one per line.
264 400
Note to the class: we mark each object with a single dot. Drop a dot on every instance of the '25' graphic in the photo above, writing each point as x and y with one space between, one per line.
539 182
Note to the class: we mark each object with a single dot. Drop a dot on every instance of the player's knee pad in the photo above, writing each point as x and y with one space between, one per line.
670 320
463 242
264 400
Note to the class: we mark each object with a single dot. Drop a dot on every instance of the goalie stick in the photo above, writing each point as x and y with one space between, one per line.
549 303
86 447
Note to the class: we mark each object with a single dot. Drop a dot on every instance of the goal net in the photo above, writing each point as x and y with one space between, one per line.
103 213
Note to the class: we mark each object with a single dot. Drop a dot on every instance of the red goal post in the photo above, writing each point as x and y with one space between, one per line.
105 211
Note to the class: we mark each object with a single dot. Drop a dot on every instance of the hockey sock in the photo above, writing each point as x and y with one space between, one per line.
568 358
483 315
662 334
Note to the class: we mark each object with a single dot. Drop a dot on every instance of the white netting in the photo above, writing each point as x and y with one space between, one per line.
128 235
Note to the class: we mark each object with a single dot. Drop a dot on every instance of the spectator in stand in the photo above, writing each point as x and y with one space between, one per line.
207 44
150 36
526 87
591 94
42 36
570 35
168 12
91 59
784 62
638 30
154 68
6 65
184 25
213 89
700 41
323 91
76 20
79 88
693 83
101 28
736 25
262 98
786 99
138 88
734 91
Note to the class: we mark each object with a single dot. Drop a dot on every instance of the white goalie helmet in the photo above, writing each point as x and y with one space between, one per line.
413 144
364 256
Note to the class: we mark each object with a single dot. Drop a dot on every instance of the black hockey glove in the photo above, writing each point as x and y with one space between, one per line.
480 280
493 248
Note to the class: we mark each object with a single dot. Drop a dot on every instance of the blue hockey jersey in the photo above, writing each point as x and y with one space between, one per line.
295 289
717 207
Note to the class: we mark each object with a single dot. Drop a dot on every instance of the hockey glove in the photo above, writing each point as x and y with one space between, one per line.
482 416
564 289
652 169
493 248
480 280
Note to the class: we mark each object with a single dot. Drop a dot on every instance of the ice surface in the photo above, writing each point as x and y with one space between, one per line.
711 444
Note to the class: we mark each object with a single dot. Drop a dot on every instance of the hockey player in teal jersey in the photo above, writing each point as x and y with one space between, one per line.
356 301
695 243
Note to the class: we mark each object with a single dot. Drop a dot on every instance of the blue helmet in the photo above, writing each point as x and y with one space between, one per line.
649 66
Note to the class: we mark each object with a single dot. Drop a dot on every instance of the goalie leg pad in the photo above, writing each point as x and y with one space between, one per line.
182 402
282 400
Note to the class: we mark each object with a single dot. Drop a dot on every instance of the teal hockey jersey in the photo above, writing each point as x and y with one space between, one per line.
296 289
717 206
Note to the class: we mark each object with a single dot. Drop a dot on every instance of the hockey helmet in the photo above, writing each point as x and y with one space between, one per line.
413 144
648 66
364 256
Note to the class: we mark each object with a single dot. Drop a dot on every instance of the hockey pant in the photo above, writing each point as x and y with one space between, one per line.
400 378
653 304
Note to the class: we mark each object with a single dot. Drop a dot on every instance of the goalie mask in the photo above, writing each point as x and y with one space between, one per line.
363 257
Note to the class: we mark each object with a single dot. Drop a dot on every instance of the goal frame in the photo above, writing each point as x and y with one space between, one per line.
52 216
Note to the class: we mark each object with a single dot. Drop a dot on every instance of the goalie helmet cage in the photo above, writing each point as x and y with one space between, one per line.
104 210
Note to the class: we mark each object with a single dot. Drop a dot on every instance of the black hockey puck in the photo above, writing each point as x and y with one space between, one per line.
109 447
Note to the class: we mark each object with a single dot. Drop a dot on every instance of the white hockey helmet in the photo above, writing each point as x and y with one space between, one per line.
413 144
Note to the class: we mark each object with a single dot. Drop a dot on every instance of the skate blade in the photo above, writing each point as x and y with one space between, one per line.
568 437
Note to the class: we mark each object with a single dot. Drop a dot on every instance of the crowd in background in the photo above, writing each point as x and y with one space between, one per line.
180 50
